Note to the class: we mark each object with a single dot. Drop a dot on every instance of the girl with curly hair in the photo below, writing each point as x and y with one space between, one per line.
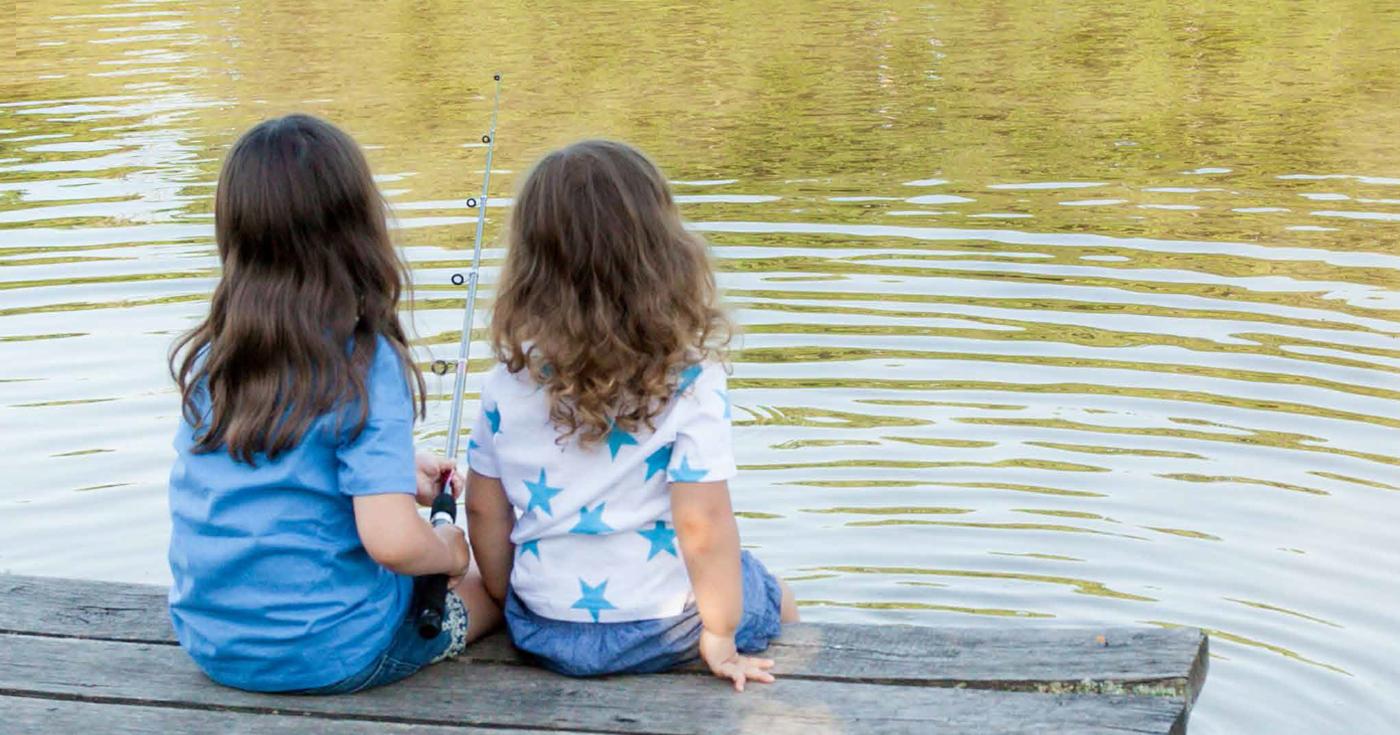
598 503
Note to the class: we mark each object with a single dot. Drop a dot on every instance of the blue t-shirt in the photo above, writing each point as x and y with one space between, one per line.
272 588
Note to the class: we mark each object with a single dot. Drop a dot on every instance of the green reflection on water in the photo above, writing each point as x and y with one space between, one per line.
1096 449
826 354
820 417
892 510
1036 464
929 606
1354 480
985 485
1079 586
1287 336
33 337
1037 555
990 526
1189 477
1216 633
1186 533
805 443
1090 389
1284 611
1048 304
928 441
1275 439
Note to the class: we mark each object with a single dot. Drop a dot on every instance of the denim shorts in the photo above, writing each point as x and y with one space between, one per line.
407 652
643 646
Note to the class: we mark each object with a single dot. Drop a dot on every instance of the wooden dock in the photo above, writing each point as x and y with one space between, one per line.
81 656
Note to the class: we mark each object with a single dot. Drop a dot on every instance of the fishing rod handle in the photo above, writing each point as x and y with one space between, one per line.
444 505
431 594
431 590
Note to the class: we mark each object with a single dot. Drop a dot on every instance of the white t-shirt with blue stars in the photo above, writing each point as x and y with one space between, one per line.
593 539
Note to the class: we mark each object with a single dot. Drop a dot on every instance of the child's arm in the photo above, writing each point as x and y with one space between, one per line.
709 540
397 537
490 518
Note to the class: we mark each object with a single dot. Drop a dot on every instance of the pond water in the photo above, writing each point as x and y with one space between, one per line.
1054 313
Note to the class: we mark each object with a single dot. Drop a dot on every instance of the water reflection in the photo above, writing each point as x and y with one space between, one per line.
1083 312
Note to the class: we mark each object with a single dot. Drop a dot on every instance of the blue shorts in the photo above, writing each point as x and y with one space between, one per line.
407 652
643 646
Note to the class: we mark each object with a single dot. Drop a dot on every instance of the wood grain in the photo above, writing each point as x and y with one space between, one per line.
1150 661
507 696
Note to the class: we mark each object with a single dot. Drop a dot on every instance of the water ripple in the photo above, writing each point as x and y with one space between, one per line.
1044 341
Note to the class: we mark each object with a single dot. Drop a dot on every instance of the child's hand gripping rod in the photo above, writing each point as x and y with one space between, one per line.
432 589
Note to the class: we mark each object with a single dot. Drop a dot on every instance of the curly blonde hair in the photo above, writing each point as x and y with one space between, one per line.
604 296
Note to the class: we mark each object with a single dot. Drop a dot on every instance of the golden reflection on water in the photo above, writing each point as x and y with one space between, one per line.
1081 311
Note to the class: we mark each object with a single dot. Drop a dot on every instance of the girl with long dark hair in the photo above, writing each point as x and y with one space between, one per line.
294 533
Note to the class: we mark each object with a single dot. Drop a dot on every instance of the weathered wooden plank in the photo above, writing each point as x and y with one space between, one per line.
84 609
1111 660
30 715
1148 661
508 696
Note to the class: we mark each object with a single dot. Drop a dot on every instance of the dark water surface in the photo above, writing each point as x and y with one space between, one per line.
1064 314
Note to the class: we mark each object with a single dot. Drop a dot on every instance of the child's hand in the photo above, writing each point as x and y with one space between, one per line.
719 653
431 469
455 539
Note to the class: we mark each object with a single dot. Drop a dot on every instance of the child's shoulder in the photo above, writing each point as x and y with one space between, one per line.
702 392
387 361
499 380
708 374
389 374
384 352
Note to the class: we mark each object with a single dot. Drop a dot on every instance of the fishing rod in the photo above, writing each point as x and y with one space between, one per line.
432 589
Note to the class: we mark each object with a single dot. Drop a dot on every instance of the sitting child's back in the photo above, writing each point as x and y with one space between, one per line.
270 573
595 541
294 535
598 499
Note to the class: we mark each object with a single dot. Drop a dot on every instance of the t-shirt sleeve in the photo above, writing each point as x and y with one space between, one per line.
481 447
380 459
704 448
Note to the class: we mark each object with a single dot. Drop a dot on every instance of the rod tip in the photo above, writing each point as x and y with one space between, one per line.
496 76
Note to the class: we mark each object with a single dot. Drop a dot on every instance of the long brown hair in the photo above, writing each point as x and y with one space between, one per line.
604 294
310 279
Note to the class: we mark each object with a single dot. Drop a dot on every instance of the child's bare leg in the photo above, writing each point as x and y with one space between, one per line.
483 614
789 611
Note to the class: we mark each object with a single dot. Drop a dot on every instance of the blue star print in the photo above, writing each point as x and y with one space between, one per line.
617 439
494 416
661 538
658 460
593 600
530 547
688 377
686 473
724 396
590 522
540 493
